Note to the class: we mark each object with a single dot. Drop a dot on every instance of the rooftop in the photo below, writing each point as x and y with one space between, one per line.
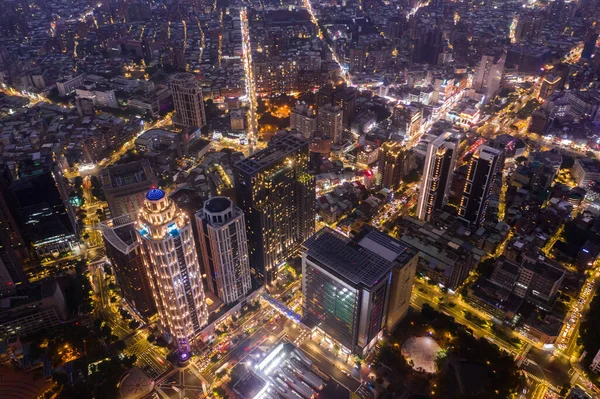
273 153
348 259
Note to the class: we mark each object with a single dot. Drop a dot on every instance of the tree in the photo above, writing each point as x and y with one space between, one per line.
486 267
133 324
151 338
120 345
214 358
521 159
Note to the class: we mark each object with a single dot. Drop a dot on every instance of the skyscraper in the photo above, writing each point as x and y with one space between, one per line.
224 249
330 122
125 186
395 162
277 195
173 269
437 175
354 289
127 260
188 101
489 75
480 178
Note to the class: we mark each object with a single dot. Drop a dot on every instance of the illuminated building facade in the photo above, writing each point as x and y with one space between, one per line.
224 249
437 175
188 101
480 178
408 118
173 269
395 162
277 195
352 290
550 83
127 261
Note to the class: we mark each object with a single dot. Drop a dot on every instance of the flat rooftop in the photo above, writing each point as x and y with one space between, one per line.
348 259
273 153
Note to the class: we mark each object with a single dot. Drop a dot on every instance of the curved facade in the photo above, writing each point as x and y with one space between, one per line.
173 268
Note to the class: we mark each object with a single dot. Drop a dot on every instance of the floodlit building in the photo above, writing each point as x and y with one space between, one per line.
395 162
277 195
172 264
224 249
437 176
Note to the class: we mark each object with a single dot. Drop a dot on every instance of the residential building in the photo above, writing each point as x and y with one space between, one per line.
480 178
277 195
224 249
330 123
304 120
125 186
349 288
127 261
395 163
408 119
67 86
171 261
437 175
586 171
188 101
489 75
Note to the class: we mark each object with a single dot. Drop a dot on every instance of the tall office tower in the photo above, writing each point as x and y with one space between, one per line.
395 162
125 186
352 290
437 176
224 249
330 122
188 101
304 120
489 75
277 195
480 178
173 269
38 199
127 260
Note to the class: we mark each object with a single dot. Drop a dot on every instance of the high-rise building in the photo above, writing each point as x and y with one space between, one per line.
330 122
277 195
395 162
127 260
480 178
437 175
39 201
125 186
171 261
188 101
408 118
354 289
549 84
489 75
343 97
224 249
528 27
303 119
